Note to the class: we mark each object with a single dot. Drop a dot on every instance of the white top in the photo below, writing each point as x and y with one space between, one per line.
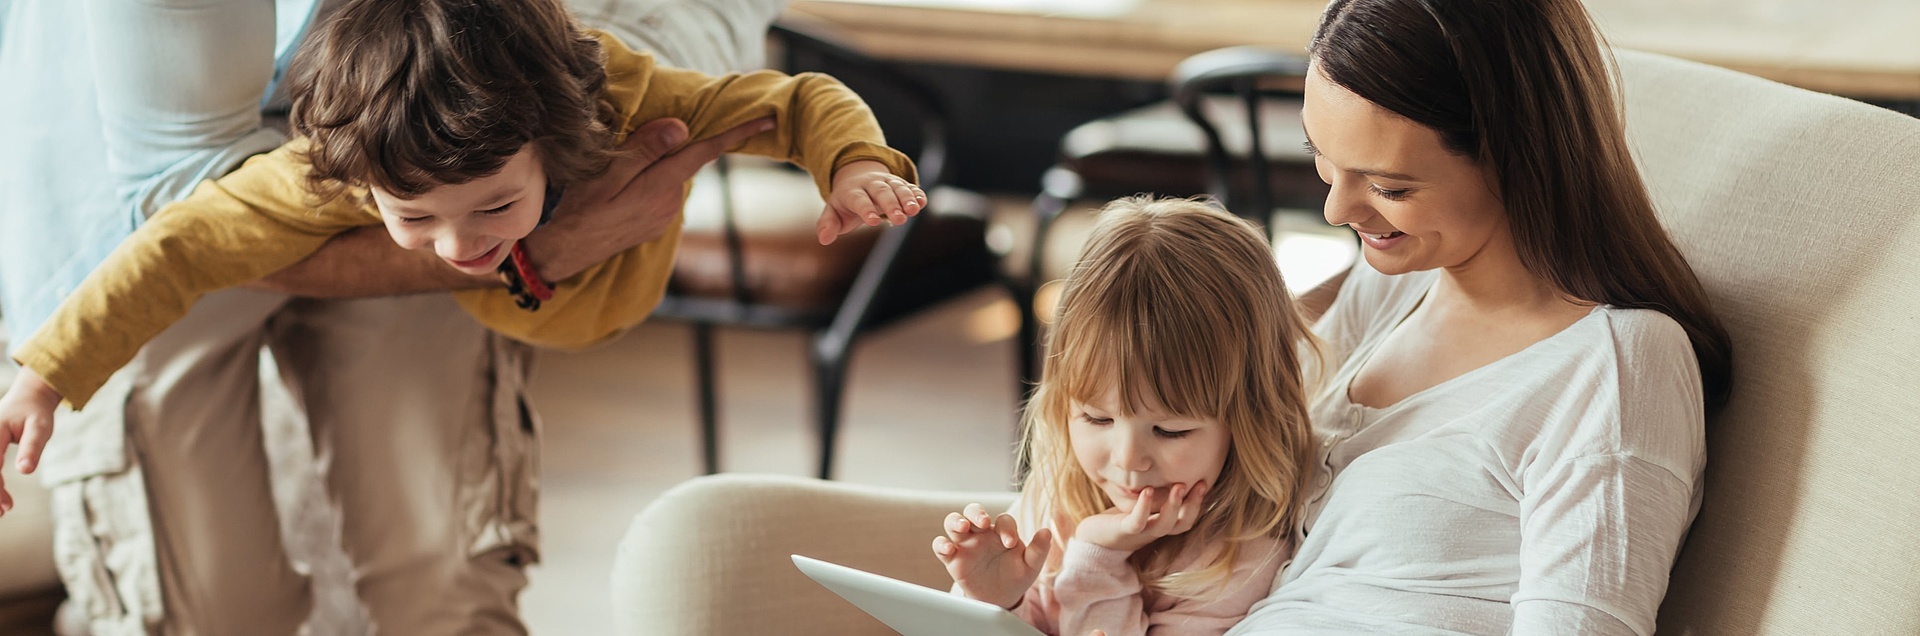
1544 493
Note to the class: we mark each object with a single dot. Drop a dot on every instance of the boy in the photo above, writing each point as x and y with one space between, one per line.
457 125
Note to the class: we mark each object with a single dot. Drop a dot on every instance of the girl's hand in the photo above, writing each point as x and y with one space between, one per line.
26 418
864 192
1130 531
986 557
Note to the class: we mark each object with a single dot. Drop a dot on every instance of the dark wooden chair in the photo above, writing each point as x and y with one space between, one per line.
749 257
1230 129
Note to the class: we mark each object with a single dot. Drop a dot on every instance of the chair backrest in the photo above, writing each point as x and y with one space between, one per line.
750 258
1257 126
1801 214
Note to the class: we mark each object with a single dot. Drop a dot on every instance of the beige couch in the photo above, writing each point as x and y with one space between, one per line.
1801 213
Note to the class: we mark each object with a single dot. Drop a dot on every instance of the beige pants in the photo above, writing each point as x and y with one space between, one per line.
420 427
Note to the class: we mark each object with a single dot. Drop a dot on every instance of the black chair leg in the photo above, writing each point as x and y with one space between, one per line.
703 355
1052 201
828 356
1029 344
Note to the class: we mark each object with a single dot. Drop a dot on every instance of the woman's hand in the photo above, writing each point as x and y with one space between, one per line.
1130 531
865 192
26 418
986 557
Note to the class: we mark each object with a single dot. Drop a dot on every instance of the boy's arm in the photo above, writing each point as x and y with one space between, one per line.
820 124
616 292
236 229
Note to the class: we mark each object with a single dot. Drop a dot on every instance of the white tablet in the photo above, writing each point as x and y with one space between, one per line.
911 609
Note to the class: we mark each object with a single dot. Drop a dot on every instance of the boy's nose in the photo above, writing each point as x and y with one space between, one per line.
460 248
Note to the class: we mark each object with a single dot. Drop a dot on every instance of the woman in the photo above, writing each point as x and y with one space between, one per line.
1511 412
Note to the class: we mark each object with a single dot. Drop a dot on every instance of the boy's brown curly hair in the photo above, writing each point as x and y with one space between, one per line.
407 95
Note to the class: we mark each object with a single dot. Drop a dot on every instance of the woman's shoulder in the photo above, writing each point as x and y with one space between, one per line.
1632 386
1643 326
1636 351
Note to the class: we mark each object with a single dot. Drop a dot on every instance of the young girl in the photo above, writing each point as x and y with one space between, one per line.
1168 436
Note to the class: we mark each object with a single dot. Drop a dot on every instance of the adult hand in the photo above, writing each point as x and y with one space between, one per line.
638 198
986 557
1147 522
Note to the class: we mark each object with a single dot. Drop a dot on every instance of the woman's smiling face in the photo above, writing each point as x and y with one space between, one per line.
1416 205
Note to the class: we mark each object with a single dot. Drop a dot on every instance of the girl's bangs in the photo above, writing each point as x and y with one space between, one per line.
1152 351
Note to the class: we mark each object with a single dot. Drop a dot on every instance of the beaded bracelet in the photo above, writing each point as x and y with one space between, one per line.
523 282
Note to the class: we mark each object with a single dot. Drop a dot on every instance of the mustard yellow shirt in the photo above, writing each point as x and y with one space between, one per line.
260 219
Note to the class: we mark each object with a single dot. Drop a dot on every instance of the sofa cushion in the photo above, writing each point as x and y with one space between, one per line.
1801 214
711 555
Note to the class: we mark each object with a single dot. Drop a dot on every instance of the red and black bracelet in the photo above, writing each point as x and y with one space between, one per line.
523 282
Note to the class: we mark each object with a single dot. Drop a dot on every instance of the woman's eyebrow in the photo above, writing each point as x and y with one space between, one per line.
1384 174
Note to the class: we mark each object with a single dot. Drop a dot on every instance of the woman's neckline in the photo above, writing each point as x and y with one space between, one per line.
1372 346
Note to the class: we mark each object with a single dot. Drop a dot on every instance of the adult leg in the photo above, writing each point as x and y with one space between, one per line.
429 452
161 491
160 488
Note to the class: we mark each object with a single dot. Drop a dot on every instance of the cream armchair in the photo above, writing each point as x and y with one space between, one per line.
1801 214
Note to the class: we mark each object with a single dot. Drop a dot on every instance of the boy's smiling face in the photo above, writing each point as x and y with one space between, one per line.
473 225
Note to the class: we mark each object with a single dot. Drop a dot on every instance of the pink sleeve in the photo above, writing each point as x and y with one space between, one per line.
1039 608
1097 589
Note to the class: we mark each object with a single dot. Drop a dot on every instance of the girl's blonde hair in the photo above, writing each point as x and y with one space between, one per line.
1180 306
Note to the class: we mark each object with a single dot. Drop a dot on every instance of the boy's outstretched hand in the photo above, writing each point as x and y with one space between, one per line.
865 193
986 557
26 418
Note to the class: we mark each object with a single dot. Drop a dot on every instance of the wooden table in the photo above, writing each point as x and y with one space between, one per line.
1858 48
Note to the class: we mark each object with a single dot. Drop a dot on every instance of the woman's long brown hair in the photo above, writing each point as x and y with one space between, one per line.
1523 87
